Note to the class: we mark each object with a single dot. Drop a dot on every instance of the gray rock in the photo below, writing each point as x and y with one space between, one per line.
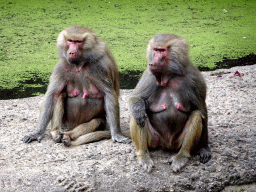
108 166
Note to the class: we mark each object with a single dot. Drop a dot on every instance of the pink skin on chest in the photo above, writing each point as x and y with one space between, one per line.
91 92
85 95
75 93
167 94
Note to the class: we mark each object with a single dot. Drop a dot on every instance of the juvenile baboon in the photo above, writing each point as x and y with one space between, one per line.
82 93
168 104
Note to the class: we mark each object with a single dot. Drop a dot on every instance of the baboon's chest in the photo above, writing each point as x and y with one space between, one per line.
84 100
168 98
167 112
85 87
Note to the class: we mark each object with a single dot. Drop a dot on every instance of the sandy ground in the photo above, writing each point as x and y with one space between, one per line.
108 166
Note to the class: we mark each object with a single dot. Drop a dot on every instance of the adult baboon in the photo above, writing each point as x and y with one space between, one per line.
168 104
83 91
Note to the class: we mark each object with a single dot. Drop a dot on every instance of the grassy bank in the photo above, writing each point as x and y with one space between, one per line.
28 32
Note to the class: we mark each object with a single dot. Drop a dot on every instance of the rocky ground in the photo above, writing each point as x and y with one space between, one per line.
108 166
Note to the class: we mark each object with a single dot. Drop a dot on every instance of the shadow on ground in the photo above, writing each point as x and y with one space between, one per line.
128 79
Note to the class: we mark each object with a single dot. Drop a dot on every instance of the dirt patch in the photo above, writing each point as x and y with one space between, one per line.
108 166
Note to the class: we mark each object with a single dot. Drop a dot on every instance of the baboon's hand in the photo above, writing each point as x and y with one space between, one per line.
205 154
32 137
120 138
138 110
140 120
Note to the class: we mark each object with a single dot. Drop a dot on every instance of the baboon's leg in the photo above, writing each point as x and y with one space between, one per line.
142 138
84 128
84 133
189 138
91 137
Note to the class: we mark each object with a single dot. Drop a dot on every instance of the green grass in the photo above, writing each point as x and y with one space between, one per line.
214 29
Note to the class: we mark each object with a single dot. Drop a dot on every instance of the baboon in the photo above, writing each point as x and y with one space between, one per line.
168 105
82 93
